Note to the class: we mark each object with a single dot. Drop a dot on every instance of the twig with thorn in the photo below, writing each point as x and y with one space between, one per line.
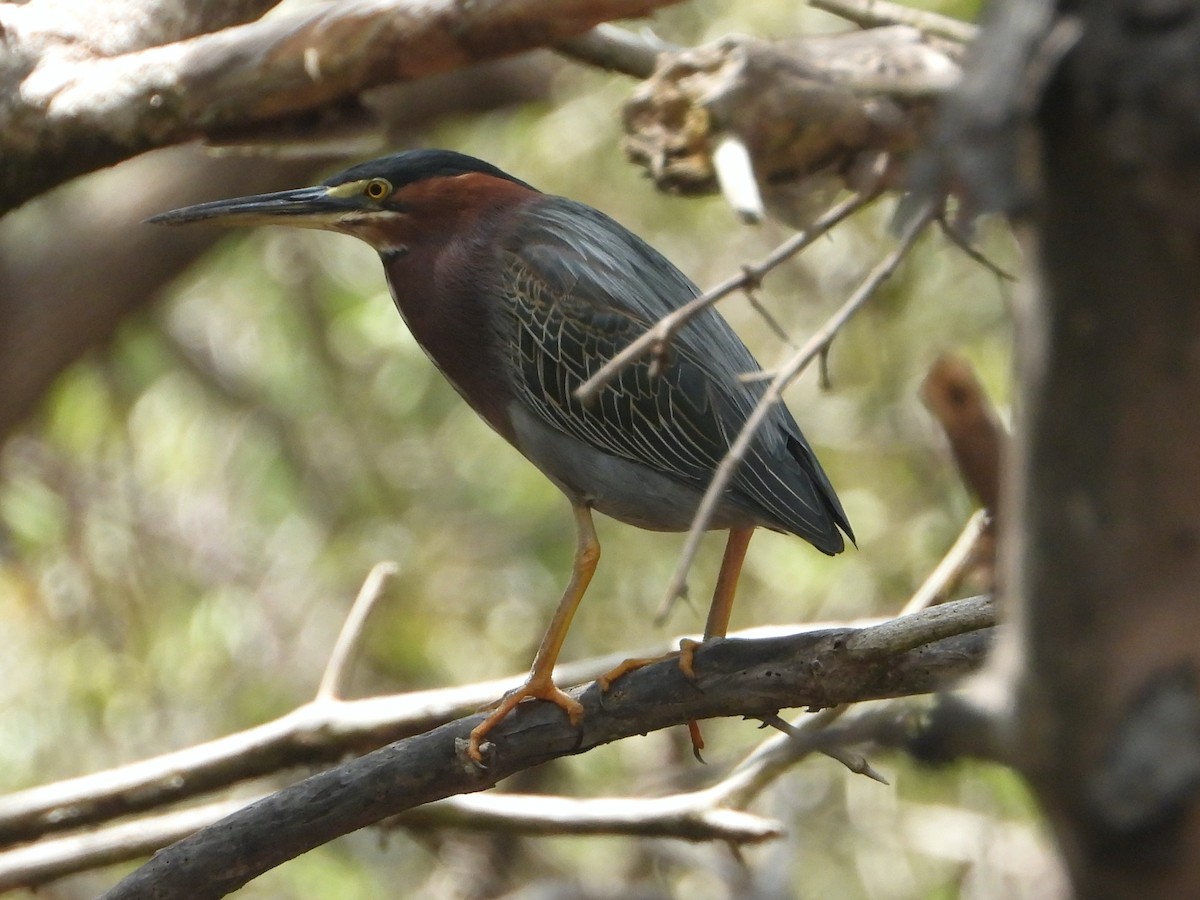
774 393
959 240
658 337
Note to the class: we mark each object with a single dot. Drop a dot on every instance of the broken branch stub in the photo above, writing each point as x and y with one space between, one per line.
812 111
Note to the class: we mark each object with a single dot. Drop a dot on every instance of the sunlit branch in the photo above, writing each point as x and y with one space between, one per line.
348 639
733 677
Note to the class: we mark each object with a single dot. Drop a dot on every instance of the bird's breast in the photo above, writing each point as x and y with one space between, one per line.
444 300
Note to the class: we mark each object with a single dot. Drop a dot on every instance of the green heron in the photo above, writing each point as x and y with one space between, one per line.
518 297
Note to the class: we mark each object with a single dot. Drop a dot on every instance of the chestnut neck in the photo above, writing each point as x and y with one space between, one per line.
444 271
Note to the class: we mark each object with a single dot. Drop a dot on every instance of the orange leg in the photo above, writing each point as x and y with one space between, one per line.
719 612
721 608
540 683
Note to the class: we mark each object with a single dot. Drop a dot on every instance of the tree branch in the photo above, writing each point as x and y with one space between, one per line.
617 50
715 813
735 677
877 13
786 374
318 732
75 114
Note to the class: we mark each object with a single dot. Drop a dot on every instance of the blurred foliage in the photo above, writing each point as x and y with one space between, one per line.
183 525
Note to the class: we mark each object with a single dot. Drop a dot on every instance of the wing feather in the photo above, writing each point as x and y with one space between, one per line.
577 288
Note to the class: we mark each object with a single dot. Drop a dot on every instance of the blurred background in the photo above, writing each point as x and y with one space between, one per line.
187 512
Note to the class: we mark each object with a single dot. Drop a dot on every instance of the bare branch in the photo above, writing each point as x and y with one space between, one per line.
257 72
312 734
963 243
36 864
876 13
774 394
855 762
949 571
658 337
902 634
813 112
734 677
715 813
616 49
333 681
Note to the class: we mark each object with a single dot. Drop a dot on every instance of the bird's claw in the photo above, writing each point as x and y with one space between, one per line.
686 655
534 688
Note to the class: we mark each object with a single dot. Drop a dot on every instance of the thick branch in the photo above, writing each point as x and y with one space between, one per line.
314 733
69 116
62 297
735 678
715 813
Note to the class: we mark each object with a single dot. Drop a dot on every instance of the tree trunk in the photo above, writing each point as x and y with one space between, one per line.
1105 536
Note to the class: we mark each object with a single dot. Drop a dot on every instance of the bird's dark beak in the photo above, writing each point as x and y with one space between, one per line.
310 207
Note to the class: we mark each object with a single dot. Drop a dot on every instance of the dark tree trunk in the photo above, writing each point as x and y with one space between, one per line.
1105 536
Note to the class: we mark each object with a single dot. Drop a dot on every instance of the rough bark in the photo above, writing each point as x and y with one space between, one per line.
1109 703
911 654
1084 118
67 108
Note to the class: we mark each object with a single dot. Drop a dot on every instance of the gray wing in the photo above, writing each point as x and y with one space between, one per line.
579 287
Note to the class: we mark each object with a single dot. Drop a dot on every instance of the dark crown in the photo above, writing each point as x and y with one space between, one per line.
417 165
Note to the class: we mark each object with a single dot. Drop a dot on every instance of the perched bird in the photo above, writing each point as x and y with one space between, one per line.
518 297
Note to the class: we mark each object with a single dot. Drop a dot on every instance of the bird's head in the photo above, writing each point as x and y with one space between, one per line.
386 202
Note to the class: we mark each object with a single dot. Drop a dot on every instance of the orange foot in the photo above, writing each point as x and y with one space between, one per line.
537 688
686 656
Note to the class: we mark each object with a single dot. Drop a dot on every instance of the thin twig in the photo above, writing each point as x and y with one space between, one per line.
872 722
874 13
774 393
950 569
855 762
772 322
657 337
333 681
959 240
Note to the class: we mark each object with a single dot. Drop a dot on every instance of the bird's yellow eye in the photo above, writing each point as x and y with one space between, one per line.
377 188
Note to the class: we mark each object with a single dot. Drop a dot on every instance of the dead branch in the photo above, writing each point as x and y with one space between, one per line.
616 50
735 677
875 13
814 111
74 110
715 813
316 733
785 375
974 546
657 340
